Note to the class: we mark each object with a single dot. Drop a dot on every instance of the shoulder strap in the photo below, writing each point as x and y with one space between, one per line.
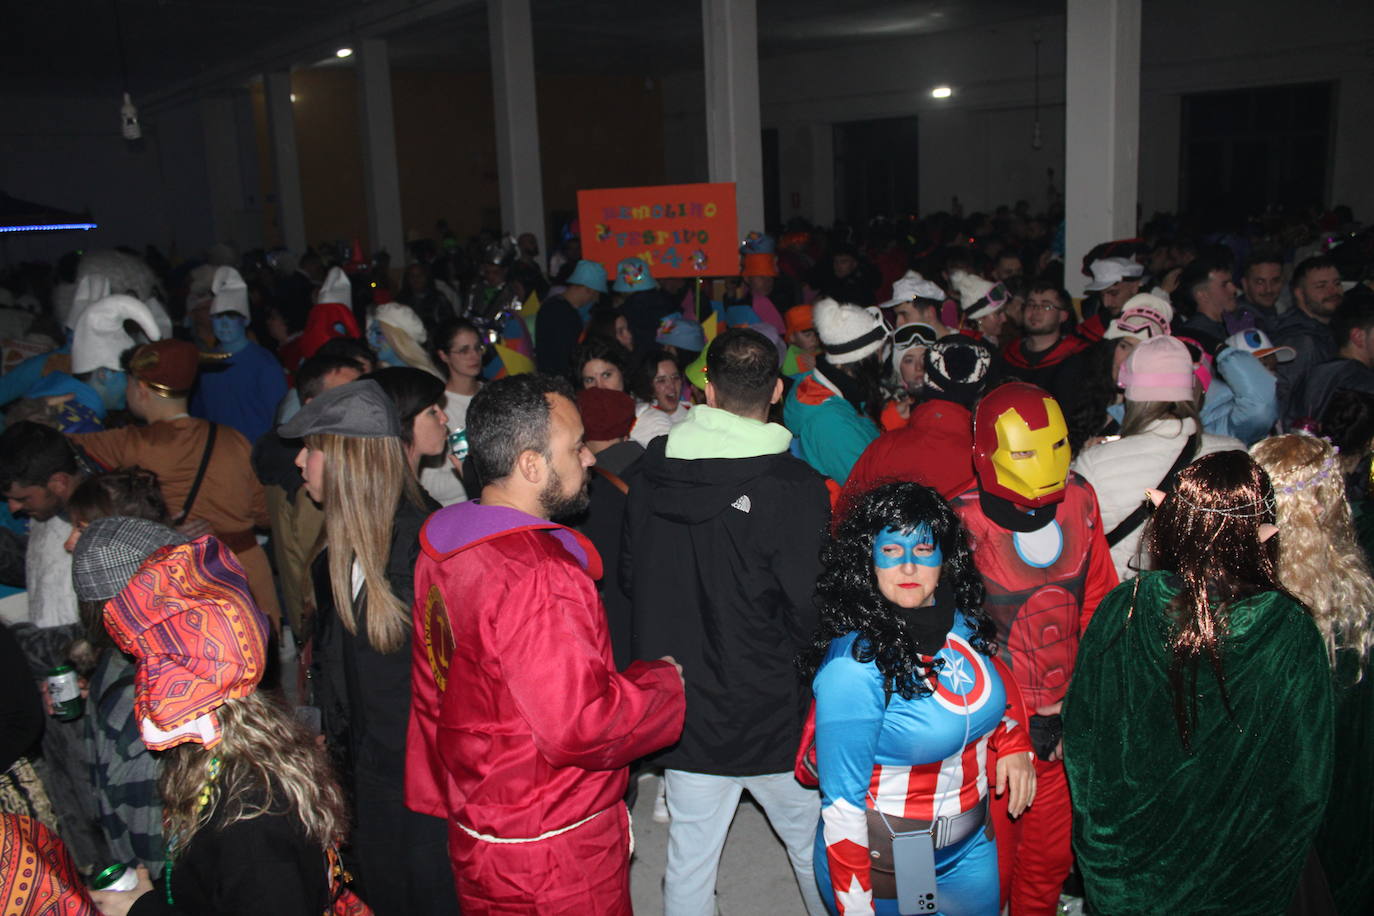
199 478
1137 518
614 480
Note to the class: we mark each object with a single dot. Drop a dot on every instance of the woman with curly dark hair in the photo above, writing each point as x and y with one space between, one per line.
1198 725
909 700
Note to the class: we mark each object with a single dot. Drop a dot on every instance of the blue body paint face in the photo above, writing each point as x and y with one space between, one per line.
893 548
230 330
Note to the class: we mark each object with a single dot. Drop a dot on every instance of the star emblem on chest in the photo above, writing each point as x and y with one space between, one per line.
955 673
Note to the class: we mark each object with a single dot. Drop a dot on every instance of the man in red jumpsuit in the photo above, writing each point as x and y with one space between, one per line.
1037 538
521 728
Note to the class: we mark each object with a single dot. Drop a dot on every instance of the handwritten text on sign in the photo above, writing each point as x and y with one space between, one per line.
683 230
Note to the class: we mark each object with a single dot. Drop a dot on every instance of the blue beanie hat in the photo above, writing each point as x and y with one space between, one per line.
589 274
632 276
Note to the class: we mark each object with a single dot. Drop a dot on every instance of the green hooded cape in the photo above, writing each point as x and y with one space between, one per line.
1225 828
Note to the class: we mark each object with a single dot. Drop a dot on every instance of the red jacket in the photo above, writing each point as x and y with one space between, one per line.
519 722
934 448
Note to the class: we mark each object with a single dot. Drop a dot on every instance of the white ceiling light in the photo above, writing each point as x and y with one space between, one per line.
344 52
941 92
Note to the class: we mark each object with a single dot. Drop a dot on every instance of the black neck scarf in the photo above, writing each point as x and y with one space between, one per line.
928 626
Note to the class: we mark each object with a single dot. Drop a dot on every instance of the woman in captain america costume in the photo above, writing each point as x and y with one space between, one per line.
909 702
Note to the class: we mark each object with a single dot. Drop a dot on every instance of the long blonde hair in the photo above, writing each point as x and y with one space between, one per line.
264 754
364 481
1320 560
407 349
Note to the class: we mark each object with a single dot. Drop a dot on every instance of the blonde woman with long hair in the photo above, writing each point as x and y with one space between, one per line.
355 466
252 815
1321 563
398 336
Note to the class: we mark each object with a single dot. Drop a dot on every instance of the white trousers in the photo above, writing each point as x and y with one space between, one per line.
702 808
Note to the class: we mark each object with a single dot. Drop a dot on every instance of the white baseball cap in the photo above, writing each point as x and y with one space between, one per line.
1111 271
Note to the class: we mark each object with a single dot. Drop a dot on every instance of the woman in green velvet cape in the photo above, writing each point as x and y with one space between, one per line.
1198 727
1322 563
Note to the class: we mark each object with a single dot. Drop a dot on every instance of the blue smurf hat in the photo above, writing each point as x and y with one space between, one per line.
589 274
741 316
758 243
632 276
679 331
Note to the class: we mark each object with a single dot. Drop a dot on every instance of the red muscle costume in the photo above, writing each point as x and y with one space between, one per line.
520 725
1042 588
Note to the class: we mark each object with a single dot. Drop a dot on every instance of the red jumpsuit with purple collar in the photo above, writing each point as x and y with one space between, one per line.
521 728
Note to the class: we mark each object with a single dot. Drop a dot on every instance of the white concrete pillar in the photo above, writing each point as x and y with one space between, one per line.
517 118
219 124
381 177
734 135
281 122
1102 127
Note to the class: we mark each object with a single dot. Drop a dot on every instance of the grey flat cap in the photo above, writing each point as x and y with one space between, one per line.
359 409
111 550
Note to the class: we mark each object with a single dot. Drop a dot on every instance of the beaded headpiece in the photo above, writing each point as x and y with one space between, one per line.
1330 466
1256 508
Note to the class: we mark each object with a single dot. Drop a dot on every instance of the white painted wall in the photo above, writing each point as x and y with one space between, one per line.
977 143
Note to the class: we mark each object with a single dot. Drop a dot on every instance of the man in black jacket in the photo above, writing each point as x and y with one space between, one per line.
720 556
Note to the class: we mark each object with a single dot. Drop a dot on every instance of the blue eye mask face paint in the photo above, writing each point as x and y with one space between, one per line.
916 546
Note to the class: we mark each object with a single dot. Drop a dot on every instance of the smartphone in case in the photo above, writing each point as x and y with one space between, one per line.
913 860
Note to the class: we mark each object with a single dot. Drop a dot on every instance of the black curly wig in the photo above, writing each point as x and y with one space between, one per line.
847 590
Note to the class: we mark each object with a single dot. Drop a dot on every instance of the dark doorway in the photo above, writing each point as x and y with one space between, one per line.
772 180
1246 149
875 169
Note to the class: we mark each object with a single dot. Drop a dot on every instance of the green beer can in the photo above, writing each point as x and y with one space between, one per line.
65 693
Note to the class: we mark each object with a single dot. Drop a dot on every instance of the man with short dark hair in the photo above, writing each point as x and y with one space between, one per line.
39 470
1205 288
722 549
1261 282
1007 265
521 729
1353 328
1317 293
1045 355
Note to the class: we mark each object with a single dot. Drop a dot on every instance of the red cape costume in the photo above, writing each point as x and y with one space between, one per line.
520 726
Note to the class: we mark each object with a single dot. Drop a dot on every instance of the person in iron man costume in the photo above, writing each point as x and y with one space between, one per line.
1037 539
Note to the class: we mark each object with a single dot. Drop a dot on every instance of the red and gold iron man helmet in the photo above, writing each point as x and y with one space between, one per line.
1021 445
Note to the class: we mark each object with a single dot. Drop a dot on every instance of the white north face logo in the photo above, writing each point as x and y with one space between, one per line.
742 504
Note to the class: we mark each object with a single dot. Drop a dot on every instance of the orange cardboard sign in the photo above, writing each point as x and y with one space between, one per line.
679 230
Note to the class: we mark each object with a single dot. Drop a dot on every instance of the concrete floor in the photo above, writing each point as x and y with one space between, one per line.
755 877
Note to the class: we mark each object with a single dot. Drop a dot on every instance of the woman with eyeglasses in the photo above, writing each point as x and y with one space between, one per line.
659 404
459 350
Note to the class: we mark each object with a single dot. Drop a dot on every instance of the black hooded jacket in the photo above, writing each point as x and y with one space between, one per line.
720 558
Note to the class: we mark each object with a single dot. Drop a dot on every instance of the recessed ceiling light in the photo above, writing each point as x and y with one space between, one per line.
293 96
344 52
941 92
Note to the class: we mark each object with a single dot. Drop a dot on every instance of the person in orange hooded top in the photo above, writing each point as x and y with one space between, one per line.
521 728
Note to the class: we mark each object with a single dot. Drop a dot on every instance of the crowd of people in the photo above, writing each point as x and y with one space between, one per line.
345 600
